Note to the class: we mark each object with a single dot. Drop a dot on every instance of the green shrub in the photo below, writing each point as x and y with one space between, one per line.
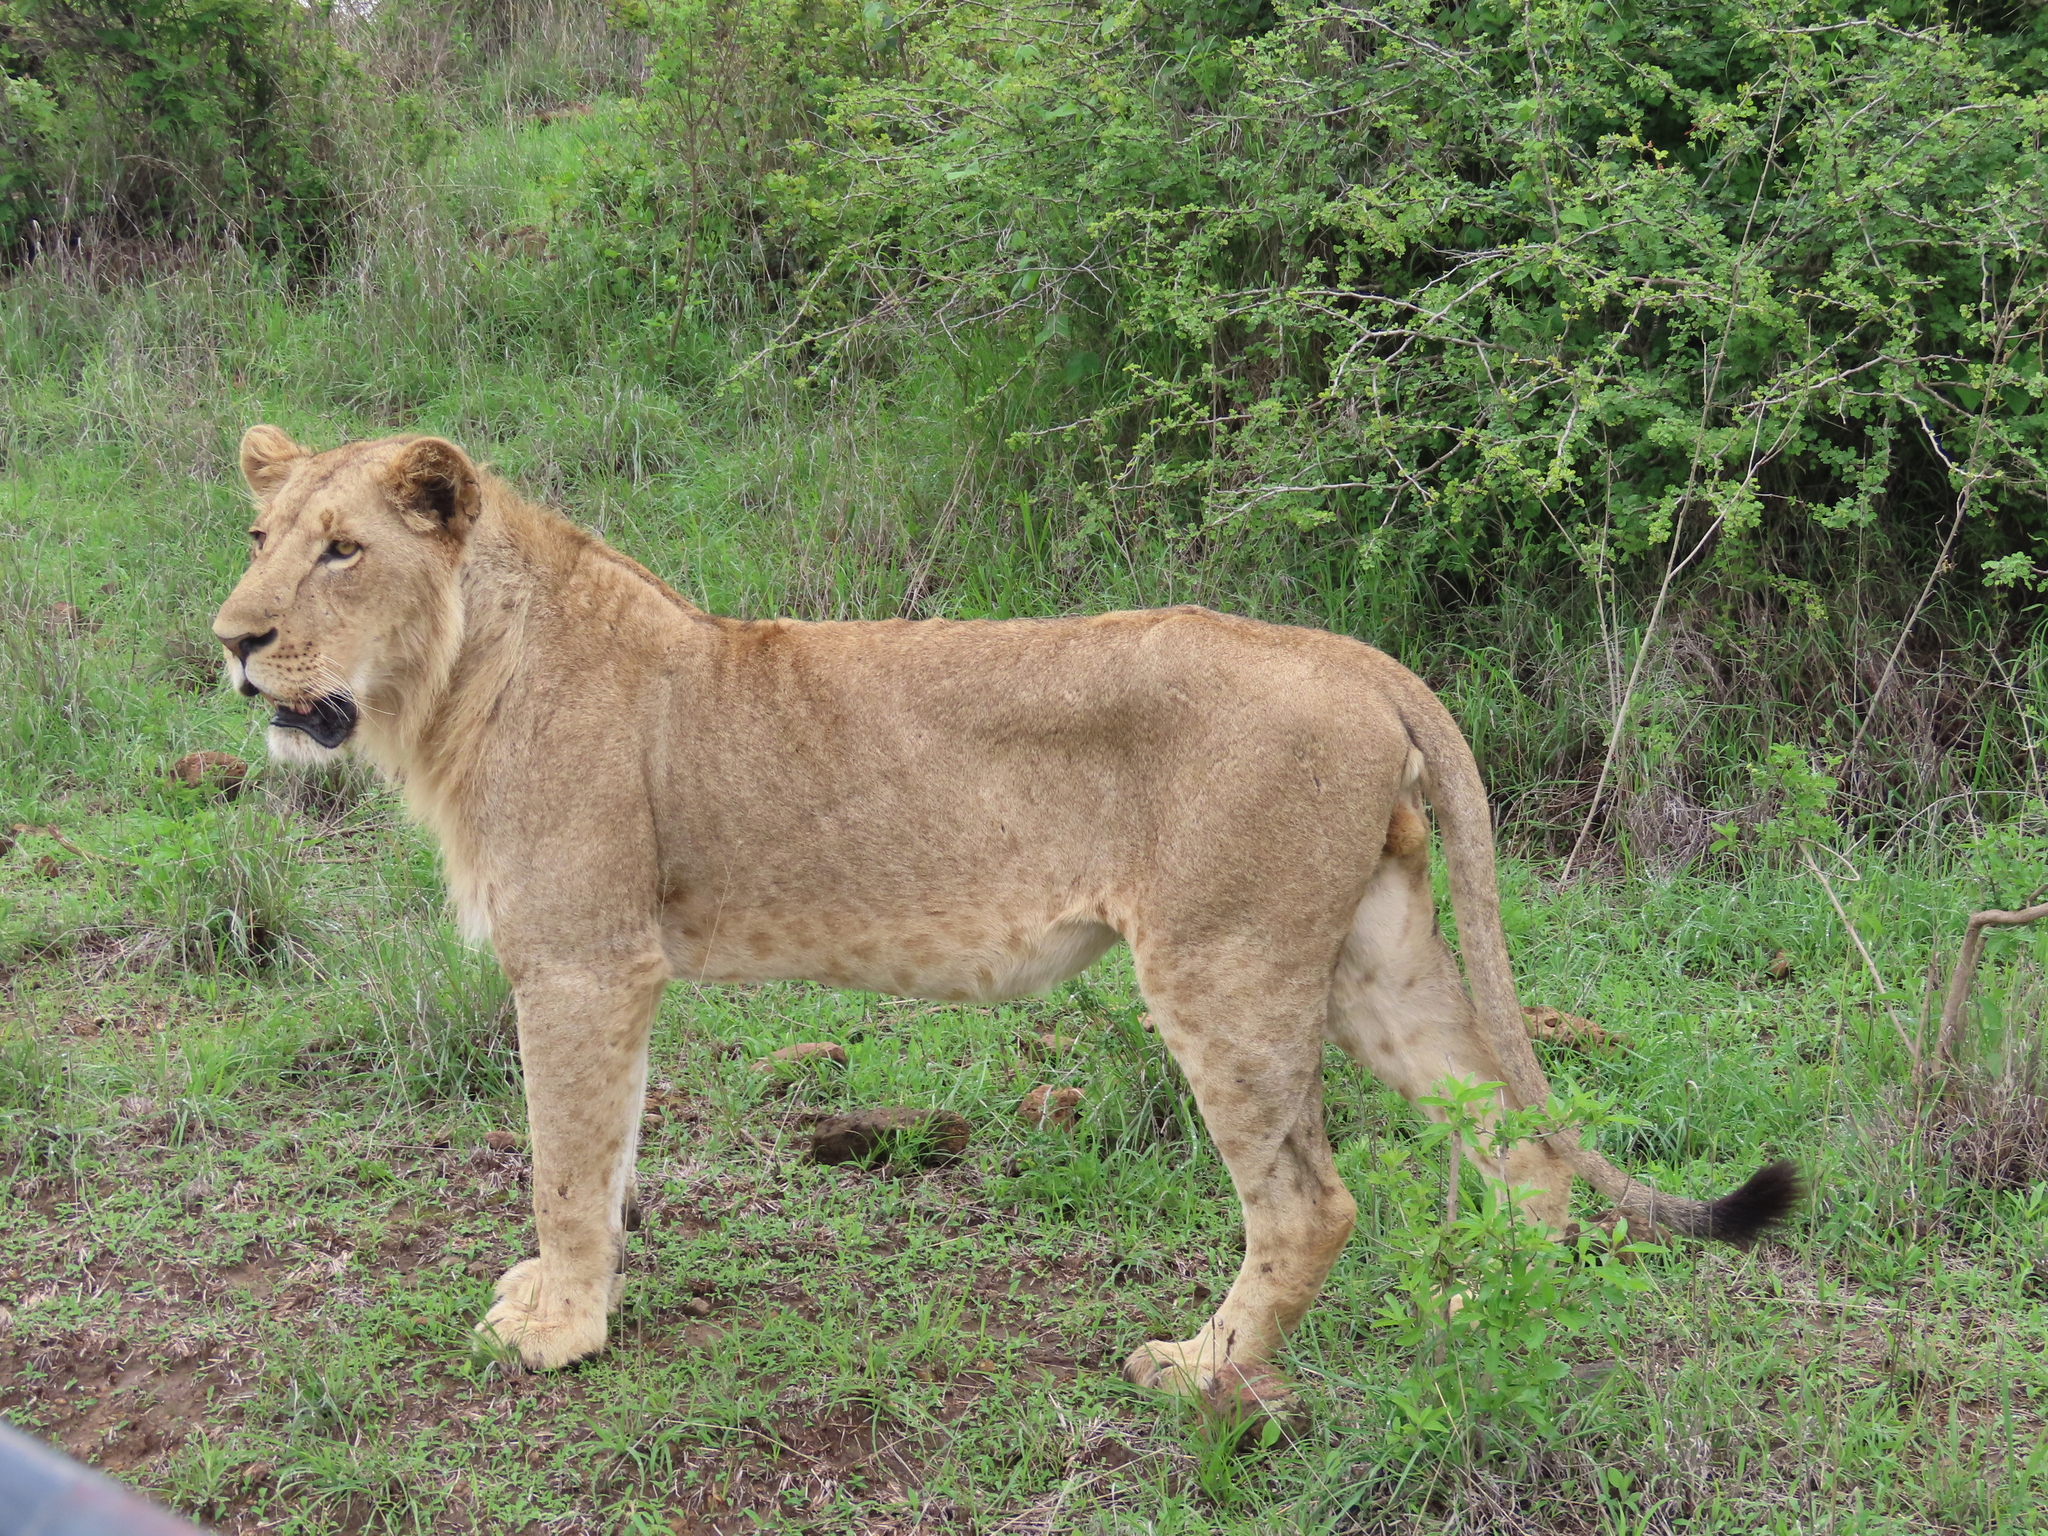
174 118
1463 287
1489 1309
222 888
440 1021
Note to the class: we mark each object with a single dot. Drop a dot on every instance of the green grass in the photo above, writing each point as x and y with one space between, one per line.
253 1214
247 1075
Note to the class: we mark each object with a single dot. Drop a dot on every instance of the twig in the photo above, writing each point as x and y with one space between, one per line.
1891 662
1966 970
1912 1050
1671 570
24 829
1451 1188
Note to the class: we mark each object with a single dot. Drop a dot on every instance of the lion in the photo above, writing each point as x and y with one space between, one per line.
628 790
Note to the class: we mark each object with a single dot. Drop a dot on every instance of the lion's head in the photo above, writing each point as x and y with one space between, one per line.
351 593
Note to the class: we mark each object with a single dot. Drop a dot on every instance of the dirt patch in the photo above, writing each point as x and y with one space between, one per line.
102 1400
791 1469
136 1020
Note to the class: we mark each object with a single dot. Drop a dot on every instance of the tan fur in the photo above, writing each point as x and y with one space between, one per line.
628 790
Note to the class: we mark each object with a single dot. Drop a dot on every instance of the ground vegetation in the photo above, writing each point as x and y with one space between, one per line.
1662 383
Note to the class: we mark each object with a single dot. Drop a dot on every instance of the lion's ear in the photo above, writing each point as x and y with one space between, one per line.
436 486
267 459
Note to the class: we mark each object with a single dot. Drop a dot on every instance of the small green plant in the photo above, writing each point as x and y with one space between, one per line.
1801 795
439 1025
31 1076
200 1477
51 704
1222 1448
2011 858
1488 1307
223 889
35 1082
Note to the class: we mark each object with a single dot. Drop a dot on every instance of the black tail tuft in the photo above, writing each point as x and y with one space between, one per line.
1767 1199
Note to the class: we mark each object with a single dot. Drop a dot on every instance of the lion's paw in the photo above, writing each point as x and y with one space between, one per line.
1240 1395
547 1334
1249 1398
1175 1369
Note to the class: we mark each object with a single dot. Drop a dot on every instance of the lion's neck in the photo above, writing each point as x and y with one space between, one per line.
428 726
503 633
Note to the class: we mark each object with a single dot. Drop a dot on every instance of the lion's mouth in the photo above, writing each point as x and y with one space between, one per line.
329 720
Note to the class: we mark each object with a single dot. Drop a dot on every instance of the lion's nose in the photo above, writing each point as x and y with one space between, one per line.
242 645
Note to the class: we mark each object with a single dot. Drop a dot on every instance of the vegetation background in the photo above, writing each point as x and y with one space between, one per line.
1664 383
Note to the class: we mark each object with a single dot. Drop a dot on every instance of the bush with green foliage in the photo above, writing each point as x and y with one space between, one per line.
1471 287
179 118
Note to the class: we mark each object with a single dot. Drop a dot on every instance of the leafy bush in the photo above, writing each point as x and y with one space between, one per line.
1491 1309
1465 287
166 117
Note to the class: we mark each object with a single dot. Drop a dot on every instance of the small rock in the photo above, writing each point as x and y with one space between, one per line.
503 1141
48 867
1780 966
192 1197
795 1055
220 772
697 1306
925 1136
6 1319
1049 1108
137 1106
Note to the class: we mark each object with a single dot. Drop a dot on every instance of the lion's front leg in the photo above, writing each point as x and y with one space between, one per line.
583 1047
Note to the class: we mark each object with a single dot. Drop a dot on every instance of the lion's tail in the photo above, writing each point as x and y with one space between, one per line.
1450 778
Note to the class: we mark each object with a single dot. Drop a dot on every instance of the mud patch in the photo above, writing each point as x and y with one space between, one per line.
102 1400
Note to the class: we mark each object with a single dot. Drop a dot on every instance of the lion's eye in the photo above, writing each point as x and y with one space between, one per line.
343 549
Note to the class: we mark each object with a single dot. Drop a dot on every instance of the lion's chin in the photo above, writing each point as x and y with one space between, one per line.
292 746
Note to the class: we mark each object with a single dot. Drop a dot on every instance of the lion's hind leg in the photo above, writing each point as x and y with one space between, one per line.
1251 1047
1398 1007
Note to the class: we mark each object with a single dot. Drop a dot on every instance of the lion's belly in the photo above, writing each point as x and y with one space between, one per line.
946 960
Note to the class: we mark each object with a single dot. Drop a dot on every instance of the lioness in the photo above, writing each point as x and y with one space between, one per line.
628 790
